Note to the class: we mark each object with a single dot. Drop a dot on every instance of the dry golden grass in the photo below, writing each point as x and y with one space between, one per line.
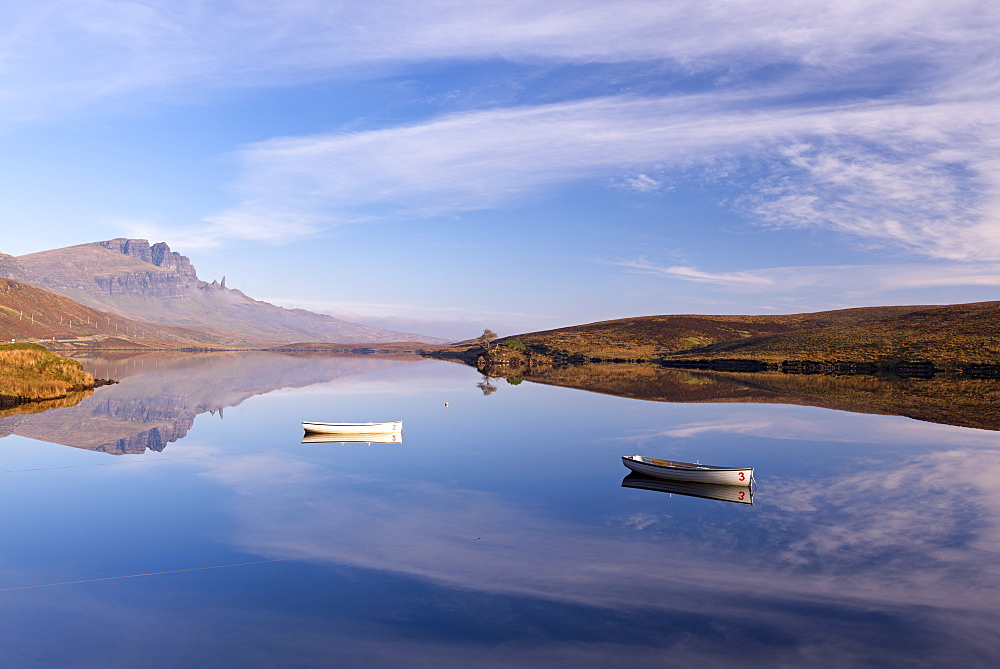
32 372
950 337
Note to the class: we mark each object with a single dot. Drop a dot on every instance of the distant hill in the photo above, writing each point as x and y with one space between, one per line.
946 335
389 348
652 337
134 279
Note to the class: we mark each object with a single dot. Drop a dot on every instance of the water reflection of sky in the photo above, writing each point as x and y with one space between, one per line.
498 534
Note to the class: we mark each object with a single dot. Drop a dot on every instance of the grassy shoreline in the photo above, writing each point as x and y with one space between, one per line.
32 373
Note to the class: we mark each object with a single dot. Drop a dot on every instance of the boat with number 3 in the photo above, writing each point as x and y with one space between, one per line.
689 471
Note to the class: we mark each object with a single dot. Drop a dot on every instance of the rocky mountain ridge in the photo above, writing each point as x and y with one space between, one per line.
149 282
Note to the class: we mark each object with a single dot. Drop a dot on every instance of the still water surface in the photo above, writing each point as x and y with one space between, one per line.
177 519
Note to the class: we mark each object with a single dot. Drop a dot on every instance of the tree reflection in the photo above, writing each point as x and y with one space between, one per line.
486 386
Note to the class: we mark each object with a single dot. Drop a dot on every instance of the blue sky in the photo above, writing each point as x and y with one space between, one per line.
446 166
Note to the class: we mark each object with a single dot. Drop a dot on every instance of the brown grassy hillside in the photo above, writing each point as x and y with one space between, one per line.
950 336
29 313
652 337
947 336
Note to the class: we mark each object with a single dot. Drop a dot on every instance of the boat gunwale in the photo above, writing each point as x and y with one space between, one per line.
384 427
683 466
368 424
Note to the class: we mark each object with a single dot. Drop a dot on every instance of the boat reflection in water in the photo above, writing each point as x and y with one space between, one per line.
723 493
386 438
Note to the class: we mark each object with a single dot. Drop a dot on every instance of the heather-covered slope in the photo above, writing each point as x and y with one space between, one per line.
132 278
954 335
652 337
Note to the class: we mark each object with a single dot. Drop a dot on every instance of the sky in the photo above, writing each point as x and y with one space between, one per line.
441 167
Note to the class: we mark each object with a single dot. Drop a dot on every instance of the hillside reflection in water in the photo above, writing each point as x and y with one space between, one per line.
949 399
497 534
160 395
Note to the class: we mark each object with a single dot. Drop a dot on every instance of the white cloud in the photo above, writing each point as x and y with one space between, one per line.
918 169
65 49
855 281
641 183
924 178
751 279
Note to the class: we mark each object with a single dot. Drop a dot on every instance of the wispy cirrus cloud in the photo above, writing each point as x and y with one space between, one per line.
845 280
923 178
874 120
67 51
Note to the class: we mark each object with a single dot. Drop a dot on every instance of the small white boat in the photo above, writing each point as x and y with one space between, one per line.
722 493
354 428
689 471
320 438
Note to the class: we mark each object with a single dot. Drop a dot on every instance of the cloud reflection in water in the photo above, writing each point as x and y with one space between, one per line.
900 545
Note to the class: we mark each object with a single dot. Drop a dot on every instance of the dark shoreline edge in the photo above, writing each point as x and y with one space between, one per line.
12 401
901 368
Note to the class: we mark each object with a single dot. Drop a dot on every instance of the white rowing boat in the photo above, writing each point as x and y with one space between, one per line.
320 438
723 493
354 428
689 471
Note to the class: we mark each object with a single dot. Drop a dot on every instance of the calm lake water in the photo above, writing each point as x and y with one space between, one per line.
176 519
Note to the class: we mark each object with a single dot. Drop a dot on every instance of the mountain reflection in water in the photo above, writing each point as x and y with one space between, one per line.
160 394
499 535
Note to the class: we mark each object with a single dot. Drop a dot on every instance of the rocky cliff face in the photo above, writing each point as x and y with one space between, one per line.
177 278
147 284
158 254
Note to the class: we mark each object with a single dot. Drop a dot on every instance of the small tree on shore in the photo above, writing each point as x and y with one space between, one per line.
487 338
